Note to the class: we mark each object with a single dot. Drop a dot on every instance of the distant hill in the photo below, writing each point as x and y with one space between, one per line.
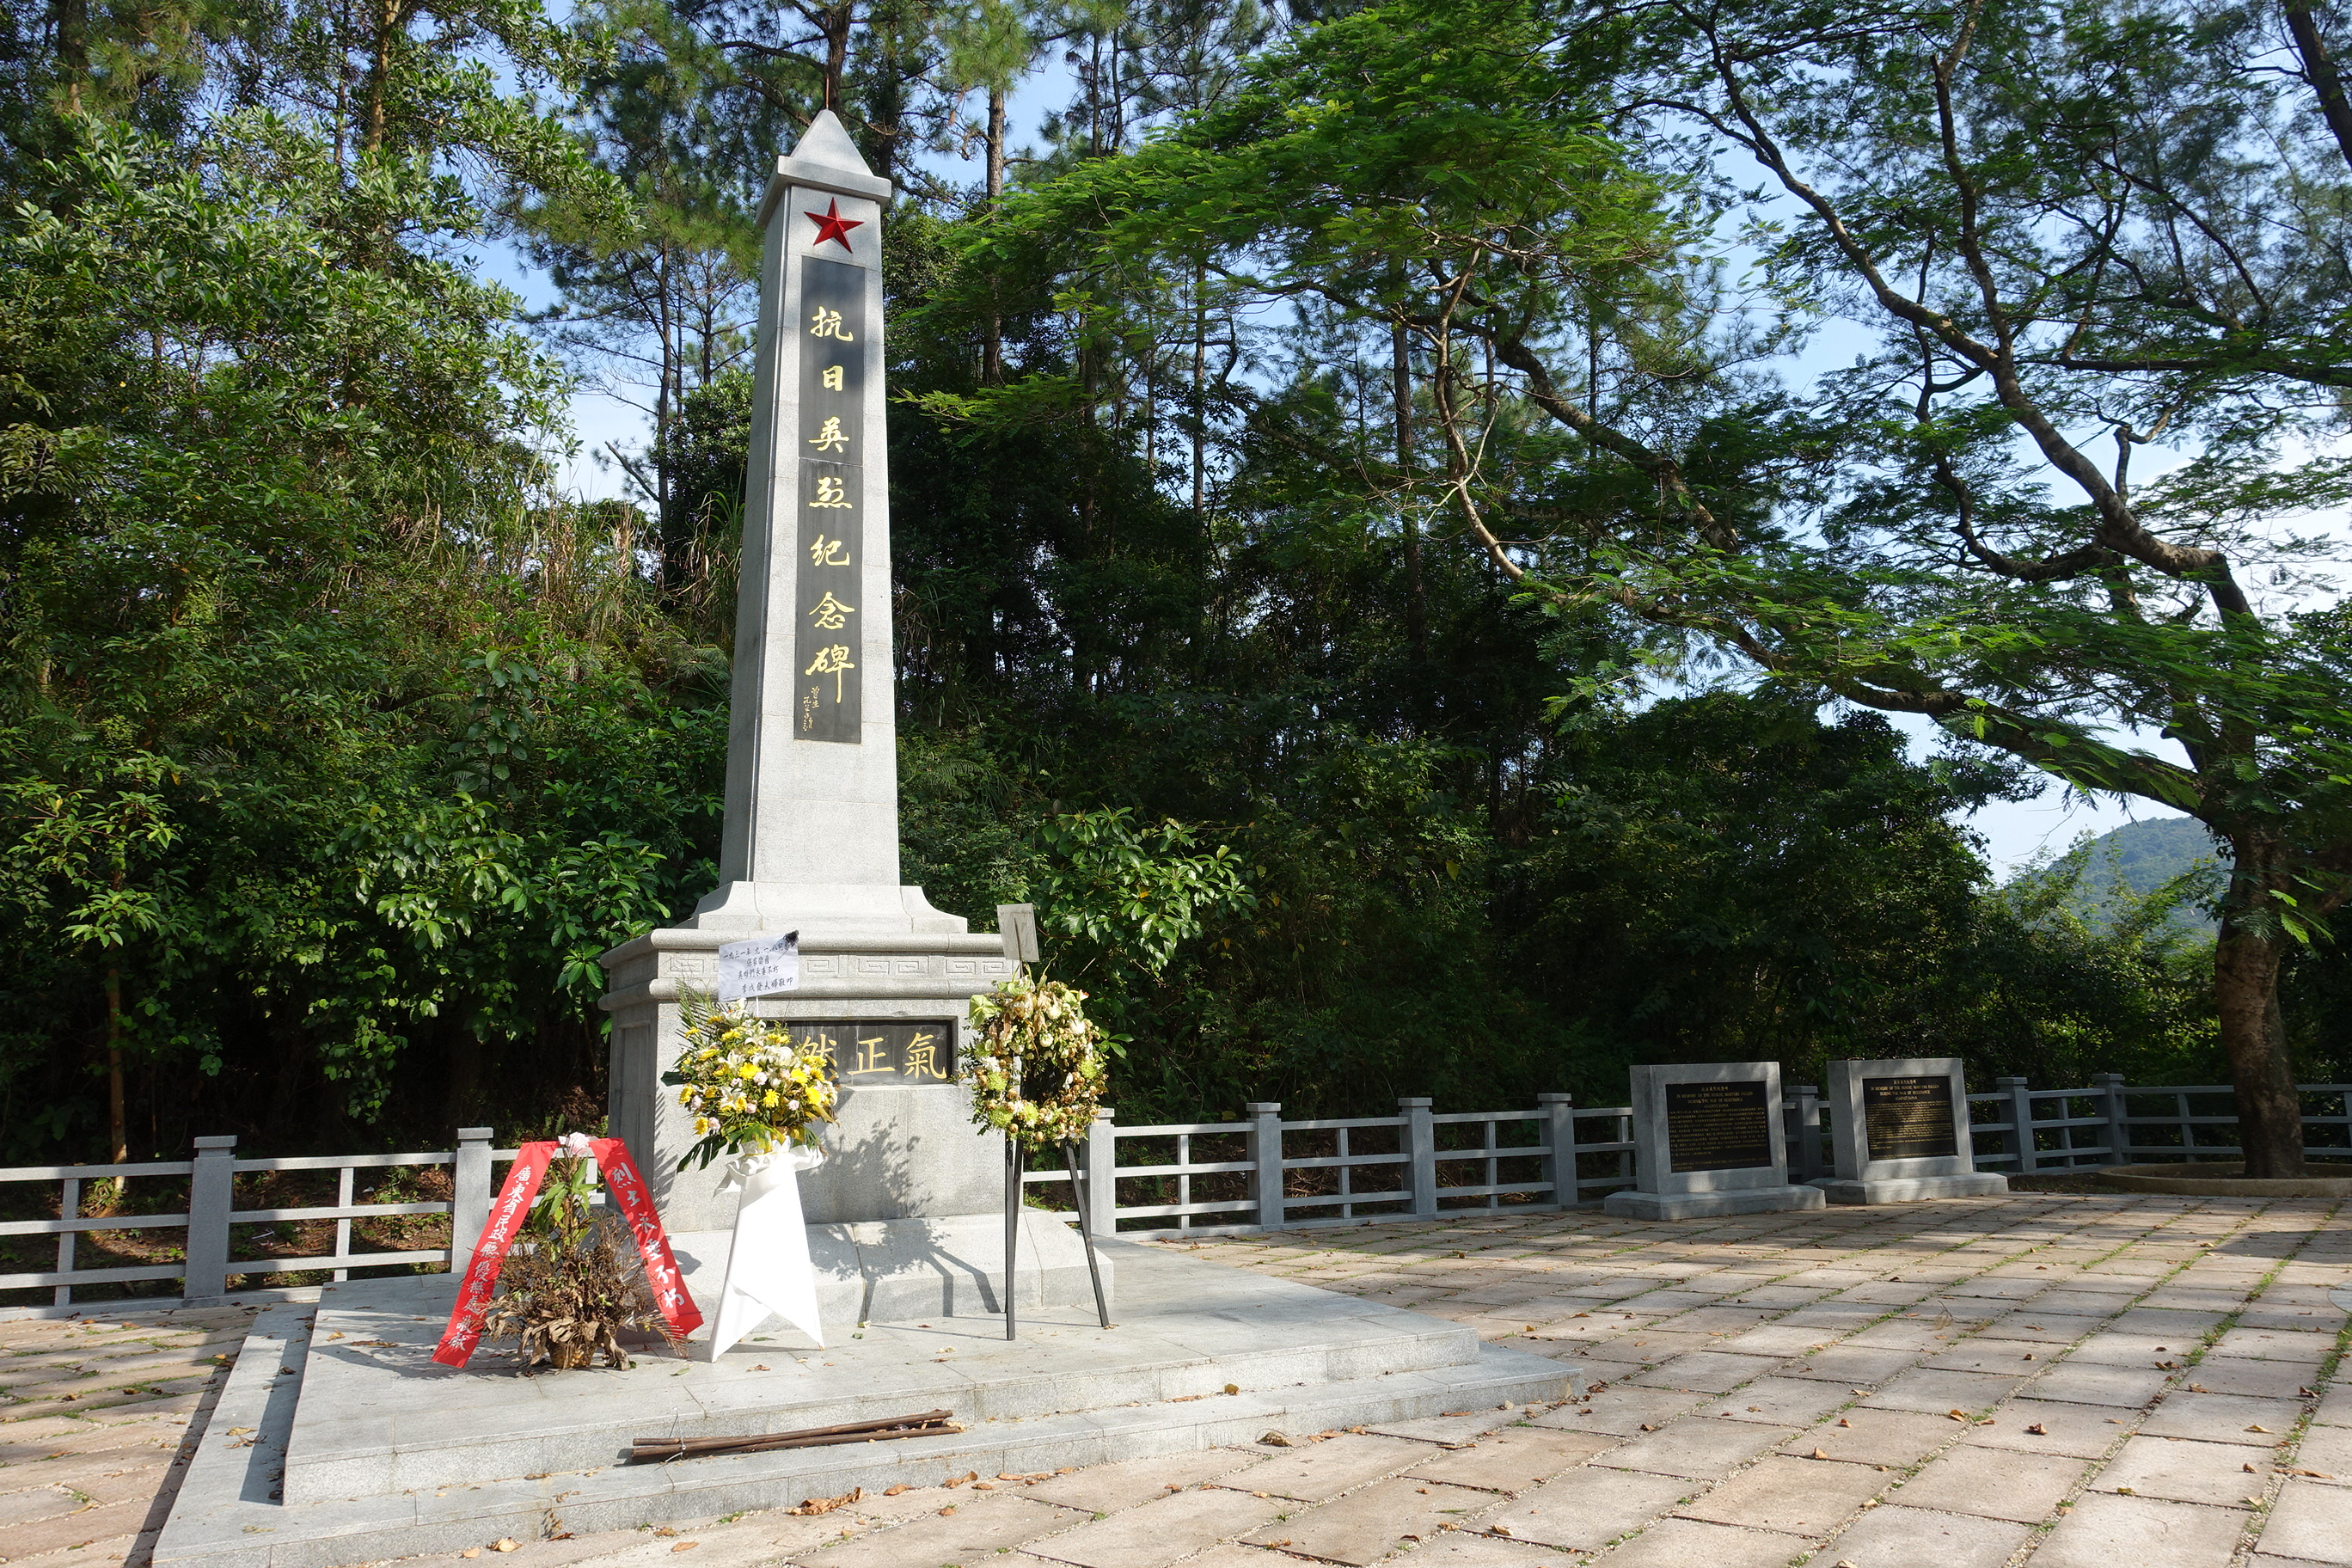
2142 856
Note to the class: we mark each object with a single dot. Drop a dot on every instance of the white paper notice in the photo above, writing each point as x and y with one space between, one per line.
759 966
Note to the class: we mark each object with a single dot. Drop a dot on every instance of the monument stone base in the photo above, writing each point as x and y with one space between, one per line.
1711 1206
338 1440
946 1266
1911 1189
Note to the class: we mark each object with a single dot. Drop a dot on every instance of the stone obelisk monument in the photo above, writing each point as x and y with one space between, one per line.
905 1214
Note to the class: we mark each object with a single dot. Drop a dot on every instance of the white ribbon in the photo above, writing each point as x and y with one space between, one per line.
768 1268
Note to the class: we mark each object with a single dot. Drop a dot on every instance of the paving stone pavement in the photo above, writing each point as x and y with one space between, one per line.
94 1421
2110 1381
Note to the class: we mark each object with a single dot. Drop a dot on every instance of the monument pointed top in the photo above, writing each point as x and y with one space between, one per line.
826 144
825 159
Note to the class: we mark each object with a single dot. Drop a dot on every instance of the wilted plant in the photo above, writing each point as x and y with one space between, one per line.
575 1282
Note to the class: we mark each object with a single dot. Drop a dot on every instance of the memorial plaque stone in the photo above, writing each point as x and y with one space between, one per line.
1899 1130
1908 1118
1718 1126
1708 1140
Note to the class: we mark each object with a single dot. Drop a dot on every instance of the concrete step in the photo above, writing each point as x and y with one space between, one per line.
377 1415
228 1516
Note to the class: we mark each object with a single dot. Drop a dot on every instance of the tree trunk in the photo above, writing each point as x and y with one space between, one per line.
118 1127
2245 993
373 88
1200 398
991 353
836 53
2319 70
72 19
1416 608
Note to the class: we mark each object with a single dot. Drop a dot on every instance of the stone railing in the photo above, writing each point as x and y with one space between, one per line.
1260 1173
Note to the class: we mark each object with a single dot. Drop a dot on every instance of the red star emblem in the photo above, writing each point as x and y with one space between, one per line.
831 224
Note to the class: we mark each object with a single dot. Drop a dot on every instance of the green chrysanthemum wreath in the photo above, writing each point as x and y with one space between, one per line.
1035 1062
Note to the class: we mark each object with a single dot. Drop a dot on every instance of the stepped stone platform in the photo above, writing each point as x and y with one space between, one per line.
337 1440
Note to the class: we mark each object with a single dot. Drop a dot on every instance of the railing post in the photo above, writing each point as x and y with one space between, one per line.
1560 1137
2021 1116
1266 1155
1809 1131
1420 1141
211 1193
2111 1091
469 1194
1101 1157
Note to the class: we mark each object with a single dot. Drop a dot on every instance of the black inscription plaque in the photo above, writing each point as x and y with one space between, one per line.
871 1053
1909 1118
831 504
1718 1126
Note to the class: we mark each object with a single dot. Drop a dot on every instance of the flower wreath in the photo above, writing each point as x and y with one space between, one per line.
749 1086
1034 1060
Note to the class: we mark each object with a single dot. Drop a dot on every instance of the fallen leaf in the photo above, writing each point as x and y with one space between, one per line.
2125 1492
2039 1430
2261 1429
471 1552
685 1546
894 1491
825 1505
1232 1388
1819 1454
1500 1529
504 1543
1843 1422
2248 1468
1279 1440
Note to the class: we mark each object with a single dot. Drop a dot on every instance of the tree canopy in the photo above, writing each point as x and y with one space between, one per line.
1386 556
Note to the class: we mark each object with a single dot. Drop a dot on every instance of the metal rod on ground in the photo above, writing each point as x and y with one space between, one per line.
1012 1221
1086 1231
929 1423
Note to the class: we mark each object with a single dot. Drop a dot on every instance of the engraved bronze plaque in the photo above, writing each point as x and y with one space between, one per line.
1909 1118
1718 1126
869 1054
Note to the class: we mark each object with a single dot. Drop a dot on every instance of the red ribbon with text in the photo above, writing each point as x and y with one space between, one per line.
627 1187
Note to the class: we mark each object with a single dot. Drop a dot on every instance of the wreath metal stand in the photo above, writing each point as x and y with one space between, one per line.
1078 1193
1013 1166
1012 1163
